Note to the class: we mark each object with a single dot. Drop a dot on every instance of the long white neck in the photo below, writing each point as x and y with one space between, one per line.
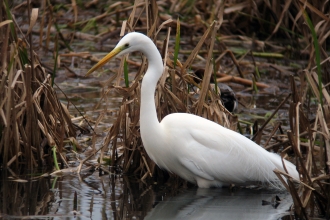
149 124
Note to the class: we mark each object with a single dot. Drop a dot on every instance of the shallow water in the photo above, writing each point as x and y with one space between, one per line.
117 197
221 203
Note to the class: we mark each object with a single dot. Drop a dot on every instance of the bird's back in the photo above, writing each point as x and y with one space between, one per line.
209 154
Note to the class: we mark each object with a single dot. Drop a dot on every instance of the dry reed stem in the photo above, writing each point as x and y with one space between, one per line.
239 80
304 197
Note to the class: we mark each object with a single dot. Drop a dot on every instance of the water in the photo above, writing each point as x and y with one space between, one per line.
221 203
94 196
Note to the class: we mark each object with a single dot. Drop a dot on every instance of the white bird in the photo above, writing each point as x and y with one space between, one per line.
198 150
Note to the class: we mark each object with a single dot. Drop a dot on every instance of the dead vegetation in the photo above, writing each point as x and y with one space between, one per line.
225 38
32 120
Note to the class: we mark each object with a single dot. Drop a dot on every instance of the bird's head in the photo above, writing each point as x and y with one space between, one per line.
129 43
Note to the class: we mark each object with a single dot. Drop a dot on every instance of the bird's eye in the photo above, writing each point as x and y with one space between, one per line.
127 45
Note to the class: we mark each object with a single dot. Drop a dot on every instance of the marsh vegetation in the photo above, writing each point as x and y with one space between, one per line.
257 47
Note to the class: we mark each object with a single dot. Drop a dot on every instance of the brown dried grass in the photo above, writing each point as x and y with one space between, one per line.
32 120
311 198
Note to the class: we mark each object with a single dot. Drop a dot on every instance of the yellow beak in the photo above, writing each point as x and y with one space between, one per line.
105 59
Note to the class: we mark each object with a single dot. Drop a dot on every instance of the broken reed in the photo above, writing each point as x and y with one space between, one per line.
32 120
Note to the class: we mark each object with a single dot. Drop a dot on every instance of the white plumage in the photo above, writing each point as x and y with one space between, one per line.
193 147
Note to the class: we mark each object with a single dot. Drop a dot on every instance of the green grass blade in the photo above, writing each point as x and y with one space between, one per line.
61 36
55 158
317 53
126 73
257 71
12 27
91 24
23 55
254 85
54 182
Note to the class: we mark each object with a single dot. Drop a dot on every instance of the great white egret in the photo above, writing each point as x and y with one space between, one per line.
198 150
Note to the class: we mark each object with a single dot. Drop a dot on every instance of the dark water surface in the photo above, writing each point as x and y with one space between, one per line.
221 203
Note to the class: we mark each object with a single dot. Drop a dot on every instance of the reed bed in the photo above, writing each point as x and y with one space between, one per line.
228 38
32 120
